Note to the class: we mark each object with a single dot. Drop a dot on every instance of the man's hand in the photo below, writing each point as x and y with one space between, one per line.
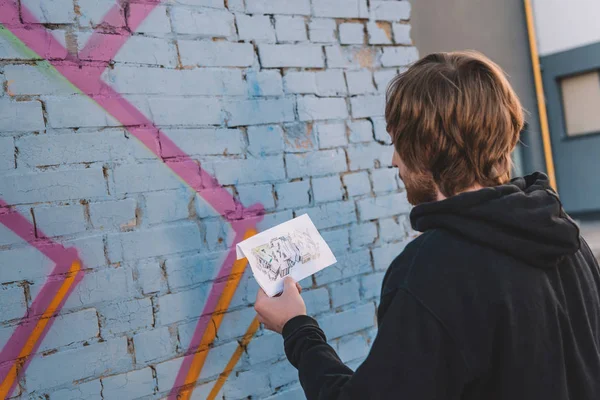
274 312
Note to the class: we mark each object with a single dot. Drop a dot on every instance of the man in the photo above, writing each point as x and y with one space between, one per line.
499 298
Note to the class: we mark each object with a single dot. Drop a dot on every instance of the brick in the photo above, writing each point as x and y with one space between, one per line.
133 384
282 373
363 234
345 293
27 264
36 79
390 10
379 32
380 130
252 383
13 302
86 362
97 287
383 206
299 138
255 27
402 34
259 111
292 194
184 236
71 328
352 348
360 82
186 111
268 346
312 108
301 7
328 188
322 30
316 300
22 116
49 11
289 394
203 141
235 323
369 155
157 22
113 214
300 82
398 56
207 53
219 234
352 57
330 83
332 134
349 264
203 22
153 345
360 131
392 229
321 162
236 5
60 220
384 255
50 185
194 269
352 33
383 78
264 83
290 29
331 214
337 239
205 209
91 390
371 285
203 3
137 49
340 8
125 316
90 249
291 55
344 323
182 305
150 277
367 106
135 178
7 153
233 172
384 180
265 139
252 194
92 12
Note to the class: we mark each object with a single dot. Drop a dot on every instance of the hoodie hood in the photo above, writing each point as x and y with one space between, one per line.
523 218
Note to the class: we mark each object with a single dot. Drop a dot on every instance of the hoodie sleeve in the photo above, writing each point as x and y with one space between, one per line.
412 357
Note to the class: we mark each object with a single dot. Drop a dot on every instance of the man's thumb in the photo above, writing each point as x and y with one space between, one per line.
289 283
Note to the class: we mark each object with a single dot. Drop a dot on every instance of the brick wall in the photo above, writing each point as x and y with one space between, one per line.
140 134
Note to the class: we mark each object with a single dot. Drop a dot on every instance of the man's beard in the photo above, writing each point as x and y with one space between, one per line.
420 188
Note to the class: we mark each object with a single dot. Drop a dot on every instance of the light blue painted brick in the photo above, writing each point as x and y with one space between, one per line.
264 83
266 347
36 79
299 138
236 5
367 106
338 240
289 394
165 206
7 153
321 162
290 29
190 270
12 300
360 82
292 194
378 34
255 27
156 23
397 228
186 111
348 264
346 322
60 220
88 390
357 183
203 21
316 300
150 277
182 305
331 214
252 194
76 111
92 12
204 208
301 7
134 178
363 234
16 188
383 206
345 293
97 287
49 11
340 8
314 108
291 55
232 172
384 179
90 250
130 385
27 264
352 348
328 188
384 255
71 328
113 214
22 116
332 134
184 236
398 56
300 82
383 77
219 234
254 382
140 50
390 10
352 33
235 323
204 3
265 139
369 155
380 129
207 53
402 34
322 30
371 285
360 131
204 141
331 83
282 373
153 345
259 111
91 361
125 316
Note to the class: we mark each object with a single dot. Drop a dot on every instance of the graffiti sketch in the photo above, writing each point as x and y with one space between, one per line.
282 253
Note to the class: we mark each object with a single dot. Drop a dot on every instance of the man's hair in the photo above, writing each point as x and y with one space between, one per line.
456 117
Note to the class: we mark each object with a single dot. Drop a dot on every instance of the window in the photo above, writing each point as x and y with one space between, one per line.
581 103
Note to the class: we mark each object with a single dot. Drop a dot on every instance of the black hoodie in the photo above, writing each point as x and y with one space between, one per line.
499 298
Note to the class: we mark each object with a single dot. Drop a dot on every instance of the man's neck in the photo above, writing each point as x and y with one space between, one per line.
473 188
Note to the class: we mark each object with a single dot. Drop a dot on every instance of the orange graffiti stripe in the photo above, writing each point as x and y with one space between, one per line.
254 325
39 327
209 334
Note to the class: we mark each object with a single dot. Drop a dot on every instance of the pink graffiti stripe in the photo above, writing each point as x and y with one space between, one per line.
86 77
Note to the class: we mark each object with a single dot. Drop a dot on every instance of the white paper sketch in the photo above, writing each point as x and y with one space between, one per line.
293 248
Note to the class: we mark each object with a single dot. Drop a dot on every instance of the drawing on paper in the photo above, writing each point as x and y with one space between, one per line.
282 253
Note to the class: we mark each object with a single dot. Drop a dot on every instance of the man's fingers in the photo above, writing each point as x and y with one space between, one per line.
298 287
